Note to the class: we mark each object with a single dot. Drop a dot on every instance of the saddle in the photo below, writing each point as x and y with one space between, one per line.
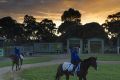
67 66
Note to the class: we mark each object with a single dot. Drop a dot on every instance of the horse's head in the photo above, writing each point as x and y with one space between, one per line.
12 56
93 62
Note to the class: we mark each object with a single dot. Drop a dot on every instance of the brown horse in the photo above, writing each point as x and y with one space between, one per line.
84 66
16 61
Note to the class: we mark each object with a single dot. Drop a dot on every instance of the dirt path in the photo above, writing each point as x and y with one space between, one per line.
4 70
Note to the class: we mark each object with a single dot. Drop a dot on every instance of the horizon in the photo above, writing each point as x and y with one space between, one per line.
91 10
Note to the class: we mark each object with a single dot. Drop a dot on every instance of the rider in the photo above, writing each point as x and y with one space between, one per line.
17 52
75 59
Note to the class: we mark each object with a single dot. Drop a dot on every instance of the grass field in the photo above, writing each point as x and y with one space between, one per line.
104 72
29 60
44 58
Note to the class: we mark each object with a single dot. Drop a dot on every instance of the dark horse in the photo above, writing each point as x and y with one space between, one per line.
84 66
16 61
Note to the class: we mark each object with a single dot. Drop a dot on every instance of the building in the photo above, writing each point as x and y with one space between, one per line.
91 45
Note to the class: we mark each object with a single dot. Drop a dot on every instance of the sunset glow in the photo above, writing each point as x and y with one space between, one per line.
91 10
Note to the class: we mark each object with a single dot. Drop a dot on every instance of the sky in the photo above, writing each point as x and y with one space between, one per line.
91 10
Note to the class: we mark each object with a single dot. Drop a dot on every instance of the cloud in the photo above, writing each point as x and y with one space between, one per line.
3 1
53 9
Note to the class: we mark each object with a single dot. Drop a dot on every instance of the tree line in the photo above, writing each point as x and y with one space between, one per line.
71 26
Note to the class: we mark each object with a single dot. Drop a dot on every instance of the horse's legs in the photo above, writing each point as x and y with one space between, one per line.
12 66
16 67
80 78
67 76
58 76
19 65
84 78
59 73
21 61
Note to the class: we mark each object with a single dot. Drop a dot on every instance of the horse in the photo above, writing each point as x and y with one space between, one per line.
81 74
16 61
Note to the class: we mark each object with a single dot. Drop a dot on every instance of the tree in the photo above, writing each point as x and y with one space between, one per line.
91 30
71 26
48 25
71 15
10 28
70 29
30 26
112 25
114 17
19 32
46 30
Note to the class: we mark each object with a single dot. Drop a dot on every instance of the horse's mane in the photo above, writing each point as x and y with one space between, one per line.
88 59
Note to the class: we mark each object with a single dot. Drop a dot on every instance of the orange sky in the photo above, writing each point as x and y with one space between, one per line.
91 10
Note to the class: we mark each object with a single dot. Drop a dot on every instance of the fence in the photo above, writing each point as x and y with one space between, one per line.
34 48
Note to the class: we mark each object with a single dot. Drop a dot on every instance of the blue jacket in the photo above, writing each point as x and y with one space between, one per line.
75 59
17 52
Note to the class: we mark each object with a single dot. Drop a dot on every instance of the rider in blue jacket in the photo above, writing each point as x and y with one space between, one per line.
75 59
17 52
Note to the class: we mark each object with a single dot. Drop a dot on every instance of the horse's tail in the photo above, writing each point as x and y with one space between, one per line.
59 72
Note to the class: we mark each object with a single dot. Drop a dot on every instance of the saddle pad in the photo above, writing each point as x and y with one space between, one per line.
21 56
77 68
67 66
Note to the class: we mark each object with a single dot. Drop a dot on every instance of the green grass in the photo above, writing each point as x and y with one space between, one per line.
44 58
29 60
102 57
105 72
5 63
37 59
